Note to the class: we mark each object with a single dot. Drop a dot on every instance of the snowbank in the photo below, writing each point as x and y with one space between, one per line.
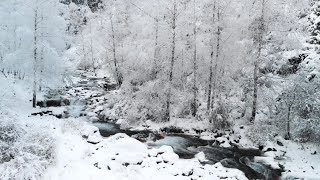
47 148
122 157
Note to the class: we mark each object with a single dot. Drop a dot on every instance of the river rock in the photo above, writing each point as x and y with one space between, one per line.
201 157
279 143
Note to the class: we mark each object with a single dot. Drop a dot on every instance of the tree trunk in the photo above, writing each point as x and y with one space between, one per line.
34 97
92 55
84 53
214 88
184 74
173 44
41 68
288 123
256 66
211 64
155 53
194 106
255 92
114 53
210 84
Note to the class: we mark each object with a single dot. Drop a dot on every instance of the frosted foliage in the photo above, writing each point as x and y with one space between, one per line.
26 152
17 45
314 20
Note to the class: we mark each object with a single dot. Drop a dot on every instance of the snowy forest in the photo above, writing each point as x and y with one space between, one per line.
159 89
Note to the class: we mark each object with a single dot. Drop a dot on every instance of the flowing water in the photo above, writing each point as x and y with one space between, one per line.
187 146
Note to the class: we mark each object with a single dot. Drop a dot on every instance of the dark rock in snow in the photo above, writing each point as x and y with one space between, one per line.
190 173
261 147
97 165
279 143
126 164
91 142
172 129
41 113
53 103
270 149
110 87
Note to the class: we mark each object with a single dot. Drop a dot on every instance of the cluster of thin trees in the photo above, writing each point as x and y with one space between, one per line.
207 43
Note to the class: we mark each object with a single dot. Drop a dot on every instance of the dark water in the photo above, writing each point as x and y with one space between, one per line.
187 146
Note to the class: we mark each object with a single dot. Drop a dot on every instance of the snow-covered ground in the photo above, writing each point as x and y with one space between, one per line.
300 160
122 157
49 148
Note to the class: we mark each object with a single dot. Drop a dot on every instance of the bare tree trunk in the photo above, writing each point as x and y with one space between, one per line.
156 49
41 63
173 44
34 97
114 53
211 63
184 74
256 66
91 49
84 53
288 122
210 84
290 103
217 59
255 92
194 106
41 68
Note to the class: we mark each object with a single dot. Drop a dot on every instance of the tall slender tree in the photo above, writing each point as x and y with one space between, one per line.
217 55
173 56
35 57
258 40
210 81
114 51
195 88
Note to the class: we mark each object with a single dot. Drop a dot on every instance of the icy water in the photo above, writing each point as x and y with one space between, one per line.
187 146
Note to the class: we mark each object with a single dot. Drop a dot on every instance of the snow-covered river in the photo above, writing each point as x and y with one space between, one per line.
187 146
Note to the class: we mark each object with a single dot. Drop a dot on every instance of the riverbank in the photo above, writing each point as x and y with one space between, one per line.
71 147
298 160
44 147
